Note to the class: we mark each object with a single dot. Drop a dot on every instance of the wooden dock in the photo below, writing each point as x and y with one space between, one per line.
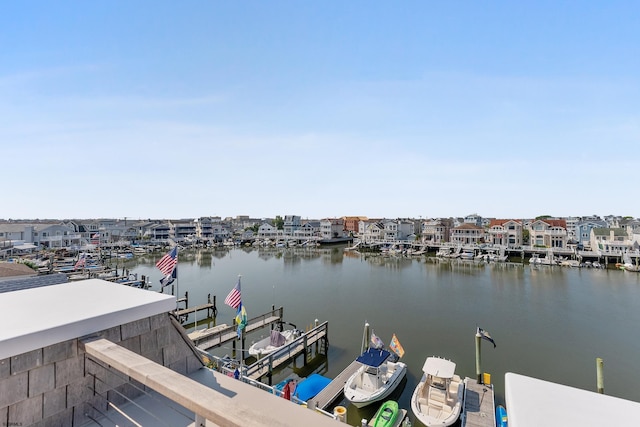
330 393
479 405
303 344
185 311
208 338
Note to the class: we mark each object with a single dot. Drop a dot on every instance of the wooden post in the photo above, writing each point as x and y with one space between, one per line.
478 369
315 325
366 336
600 374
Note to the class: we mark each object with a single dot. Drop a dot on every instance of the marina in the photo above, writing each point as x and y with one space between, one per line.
424 282
414 280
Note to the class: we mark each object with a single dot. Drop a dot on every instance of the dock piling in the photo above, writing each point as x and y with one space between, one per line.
478 357
600 374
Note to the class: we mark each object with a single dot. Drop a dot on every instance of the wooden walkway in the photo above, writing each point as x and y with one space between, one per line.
330 393
317 335
194 309
208 338
479 405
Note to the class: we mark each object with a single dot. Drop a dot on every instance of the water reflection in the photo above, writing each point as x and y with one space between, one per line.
548 322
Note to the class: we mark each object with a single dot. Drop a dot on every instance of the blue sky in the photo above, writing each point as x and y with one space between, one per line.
153 109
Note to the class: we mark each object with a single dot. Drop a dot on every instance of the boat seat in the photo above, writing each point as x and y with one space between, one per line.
438 401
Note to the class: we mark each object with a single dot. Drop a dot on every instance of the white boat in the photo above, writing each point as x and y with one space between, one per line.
274 342
375 379
437 399
468 254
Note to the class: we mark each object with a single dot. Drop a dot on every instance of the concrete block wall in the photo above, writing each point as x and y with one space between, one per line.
58 386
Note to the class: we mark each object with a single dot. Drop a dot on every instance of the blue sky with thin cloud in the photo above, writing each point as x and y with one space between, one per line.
319 109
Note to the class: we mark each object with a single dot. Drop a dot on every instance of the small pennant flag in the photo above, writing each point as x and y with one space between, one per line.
395 346
376 342
485 336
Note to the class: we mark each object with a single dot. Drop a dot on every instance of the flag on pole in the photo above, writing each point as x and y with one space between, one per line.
485 336
167 263
81 261
234 300
241 318
95 239
395 346
376 342
169 278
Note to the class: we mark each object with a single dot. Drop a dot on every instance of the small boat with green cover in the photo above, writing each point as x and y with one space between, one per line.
389 415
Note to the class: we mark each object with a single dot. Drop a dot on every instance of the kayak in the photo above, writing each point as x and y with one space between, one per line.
501 416
386 415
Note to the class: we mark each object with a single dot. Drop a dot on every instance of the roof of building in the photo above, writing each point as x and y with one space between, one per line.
601 231
28 282
532 402
39 317
468 226
15 269
503 221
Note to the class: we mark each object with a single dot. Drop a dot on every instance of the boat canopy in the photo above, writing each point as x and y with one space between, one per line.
373 357
277 339
438 367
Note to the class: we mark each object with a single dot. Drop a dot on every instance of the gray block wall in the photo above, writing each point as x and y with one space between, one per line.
59 385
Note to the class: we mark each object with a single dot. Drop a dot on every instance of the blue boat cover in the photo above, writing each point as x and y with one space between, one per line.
311 386
373 357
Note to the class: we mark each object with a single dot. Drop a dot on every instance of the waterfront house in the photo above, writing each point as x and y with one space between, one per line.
504 232
548 233
182 229
351 223
610 241
267 231
331 228
467 234
308 230
291 224
436 231
371 231
583 231
160 233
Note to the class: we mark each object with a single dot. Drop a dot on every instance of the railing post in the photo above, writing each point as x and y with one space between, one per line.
200 421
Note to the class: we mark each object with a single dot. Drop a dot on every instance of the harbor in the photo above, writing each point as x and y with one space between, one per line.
430 291
420 282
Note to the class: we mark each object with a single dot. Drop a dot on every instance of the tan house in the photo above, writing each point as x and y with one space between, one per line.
467 234
548 233
504 232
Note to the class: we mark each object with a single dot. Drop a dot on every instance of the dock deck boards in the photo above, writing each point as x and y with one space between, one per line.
479 405
284 355
331 392
194 309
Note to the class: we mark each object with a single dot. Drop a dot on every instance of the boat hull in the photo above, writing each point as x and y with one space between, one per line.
501 416
387 415
263 347
360 397
437 400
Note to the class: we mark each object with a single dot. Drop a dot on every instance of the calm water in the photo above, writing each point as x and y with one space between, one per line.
548 322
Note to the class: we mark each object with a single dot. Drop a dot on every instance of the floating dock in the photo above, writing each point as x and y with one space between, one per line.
208 338
330 393
479 405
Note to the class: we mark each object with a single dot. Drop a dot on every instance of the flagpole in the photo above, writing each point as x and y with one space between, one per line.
478 369
177 282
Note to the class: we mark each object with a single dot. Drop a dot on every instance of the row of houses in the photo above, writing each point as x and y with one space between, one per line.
609 235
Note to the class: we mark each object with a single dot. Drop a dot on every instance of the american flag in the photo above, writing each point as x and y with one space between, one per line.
80 262
234 299
167 263
95 239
